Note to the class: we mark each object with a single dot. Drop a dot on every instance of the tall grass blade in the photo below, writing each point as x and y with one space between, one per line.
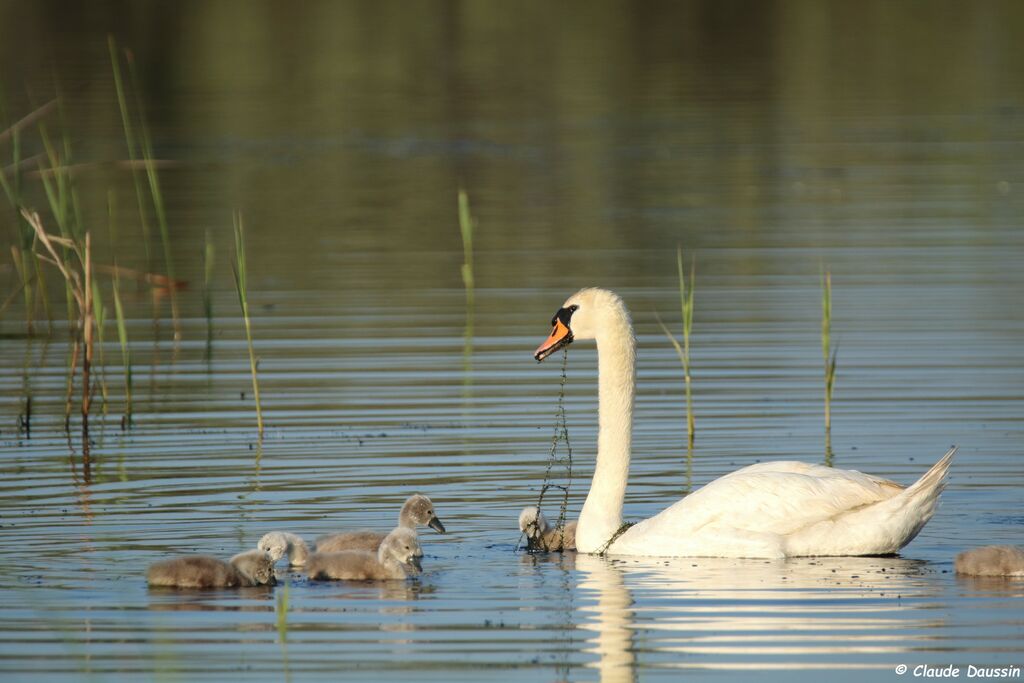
129 135
23 262
282 629
828 353
686 293
241 285
122 327
157 195
466 228
209 255
57 185
126 357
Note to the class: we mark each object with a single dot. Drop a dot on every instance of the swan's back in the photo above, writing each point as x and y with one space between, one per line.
991 560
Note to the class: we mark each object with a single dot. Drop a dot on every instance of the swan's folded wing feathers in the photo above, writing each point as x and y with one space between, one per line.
777 498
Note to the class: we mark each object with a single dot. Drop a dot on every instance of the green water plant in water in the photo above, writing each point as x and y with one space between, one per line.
208 260
241 285
30 274
829 357
122 327
683 350
466 228
140 143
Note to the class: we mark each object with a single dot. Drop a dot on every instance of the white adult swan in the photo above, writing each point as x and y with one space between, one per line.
771 509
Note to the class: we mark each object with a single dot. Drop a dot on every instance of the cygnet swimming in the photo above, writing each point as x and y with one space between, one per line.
397 558
541 536
418 510
280 543
251 568
991 560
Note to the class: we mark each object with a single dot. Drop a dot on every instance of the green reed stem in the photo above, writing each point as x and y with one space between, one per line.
282 614
122 327
157 196
100 312
57 185
24 263
282 629
686 292
239 270
129 135
828 353
209 254
466 228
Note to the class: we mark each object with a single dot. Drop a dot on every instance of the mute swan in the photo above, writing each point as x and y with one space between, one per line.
991 560
398 558
251 568
280 543
541 536
417 510
771 509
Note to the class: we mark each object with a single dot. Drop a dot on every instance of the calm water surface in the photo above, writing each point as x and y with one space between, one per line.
769 139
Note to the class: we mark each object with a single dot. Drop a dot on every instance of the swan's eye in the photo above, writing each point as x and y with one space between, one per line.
574 308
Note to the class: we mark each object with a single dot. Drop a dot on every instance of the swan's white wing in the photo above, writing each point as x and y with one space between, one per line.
812 470
769 498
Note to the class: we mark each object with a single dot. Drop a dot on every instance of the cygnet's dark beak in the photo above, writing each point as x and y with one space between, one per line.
436 525
415 562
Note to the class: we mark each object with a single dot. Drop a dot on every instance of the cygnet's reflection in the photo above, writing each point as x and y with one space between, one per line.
727 613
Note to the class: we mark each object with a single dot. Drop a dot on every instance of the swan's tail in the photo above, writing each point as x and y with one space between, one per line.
909 511
882 528
928 487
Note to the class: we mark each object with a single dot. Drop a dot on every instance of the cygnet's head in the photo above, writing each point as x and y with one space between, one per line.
275 544
585 315
419 510
402 545
532 522
257 565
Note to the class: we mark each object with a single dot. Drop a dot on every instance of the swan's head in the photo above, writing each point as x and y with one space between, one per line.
275 544
532 522
402 546
257 565
419 510
584 315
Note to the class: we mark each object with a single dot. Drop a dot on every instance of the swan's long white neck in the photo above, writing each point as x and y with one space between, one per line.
601 516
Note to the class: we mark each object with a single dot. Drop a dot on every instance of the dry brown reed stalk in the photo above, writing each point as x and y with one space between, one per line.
80 283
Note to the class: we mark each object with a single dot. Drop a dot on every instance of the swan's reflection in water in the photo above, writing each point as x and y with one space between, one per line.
611 617
752 614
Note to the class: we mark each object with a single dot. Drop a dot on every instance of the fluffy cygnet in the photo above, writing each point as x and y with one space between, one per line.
280 543
541 536
417 511
251 568
397 558
991 560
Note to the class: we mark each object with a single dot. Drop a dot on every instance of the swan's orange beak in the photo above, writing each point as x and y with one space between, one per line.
561 336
